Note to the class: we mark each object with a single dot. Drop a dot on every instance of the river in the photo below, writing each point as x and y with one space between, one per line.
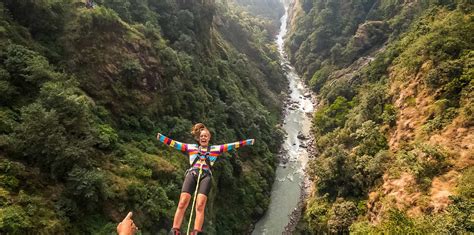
286 190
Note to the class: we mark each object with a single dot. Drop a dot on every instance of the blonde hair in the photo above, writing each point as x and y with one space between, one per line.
197 129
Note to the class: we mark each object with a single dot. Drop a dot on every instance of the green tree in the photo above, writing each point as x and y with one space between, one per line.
341 216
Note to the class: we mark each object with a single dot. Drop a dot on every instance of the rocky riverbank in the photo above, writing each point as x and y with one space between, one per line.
306 185
306 188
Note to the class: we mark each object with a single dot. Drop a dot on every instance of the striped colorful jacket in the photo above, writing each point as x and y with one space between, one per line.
193 150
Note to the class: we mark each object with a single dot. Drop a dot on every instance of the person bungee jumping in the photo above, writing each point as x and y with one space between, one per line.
198 177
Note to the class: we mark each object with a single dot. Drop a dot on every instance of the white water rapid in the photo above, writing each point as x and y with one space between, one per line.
286 190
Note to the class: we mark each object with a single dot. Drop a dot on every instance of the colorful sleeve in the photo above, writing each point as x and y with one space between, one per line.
172 143
227 147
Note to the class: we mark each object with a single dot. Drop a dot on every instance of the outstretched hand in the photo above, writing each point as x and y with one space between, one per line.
127 227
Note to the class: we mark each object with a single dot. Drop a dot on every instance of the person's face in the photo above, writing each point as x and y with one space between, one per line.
204 138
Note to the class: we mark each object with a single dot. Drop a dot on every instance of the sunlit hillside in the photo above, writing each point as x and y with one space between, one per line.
394 129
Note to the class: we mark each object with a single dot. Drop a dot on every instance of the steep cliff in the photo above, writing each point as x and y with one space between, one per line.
84 92
394 127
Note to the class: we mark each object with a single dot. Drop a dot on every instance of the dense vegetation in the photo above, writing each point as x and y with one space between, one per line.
270 10
393 77
84 91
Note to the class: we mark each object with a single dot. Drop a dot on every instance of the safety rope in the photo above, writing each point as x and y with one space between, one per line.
194 200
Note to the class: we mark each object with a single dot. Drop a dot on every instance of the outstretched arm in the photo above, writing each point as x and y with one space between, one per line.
172 143
227 147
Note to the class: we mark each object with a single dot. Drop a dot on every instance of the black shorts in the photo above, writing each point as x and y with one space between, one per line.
190 180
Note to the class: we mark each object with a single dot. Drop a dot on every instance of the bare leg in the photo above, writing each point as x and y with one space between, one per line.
182 205
200 207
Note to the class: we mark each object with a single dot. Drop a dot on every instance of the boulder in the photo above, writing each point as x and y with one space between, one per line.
301 136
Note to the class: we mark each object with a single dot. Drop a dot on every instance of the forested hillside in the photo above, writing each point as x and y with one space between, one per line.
84 92
394 127
270 10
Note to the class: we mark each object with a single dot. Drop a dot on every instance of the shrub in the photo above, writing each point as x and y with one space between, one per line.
15 220
43 140
399 223
370 169
152 202
7 121
107 137
27 69
333 172
461 212
320 77
340 87
132 72
441 120
424 161
86 186
317 214
389 115
333 116
341 216
370 139
443 73
466 185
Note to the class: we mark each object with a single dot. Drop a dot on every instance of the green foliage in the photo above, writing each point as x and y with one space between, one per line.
341 216
10 174
152 201
337 33
442 117
320 77
48 145
339 87
86 186
425 162
369 105
317 214
132 71
14 219
333 116
429 40
442 40
457 218
368 34
466 102
25 71
271 9
370 169
354 175
443 73
399 222
23 211
389 115
43 20
370 140
108 138
465 184
103 19
84 94
334 167
461 212
7 121
61 124
338 136
7 90
377 70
